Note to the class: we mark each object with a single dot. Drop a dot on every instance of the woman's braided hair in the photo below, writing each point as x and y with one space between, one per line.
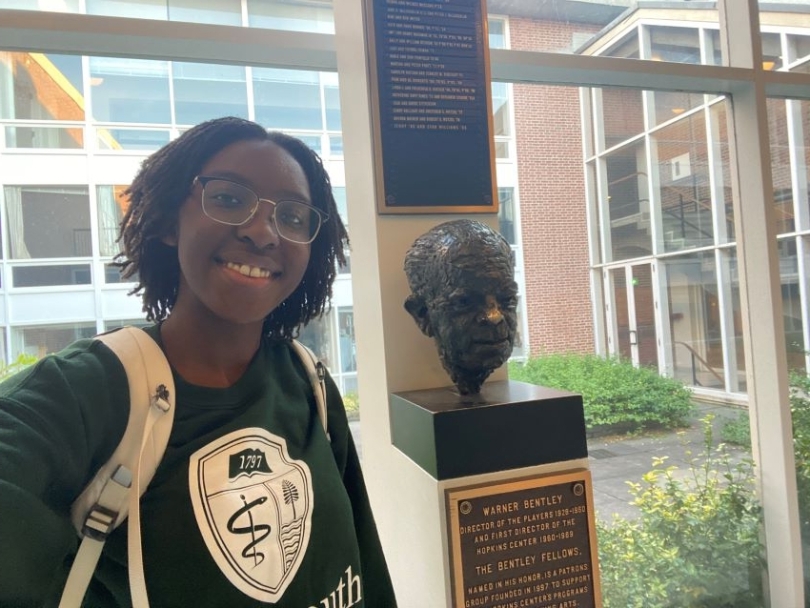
162 185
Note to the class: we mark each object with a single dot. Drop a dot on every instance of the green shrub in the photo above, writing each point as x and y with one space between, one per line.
17 365
737 431
613 391
351 401
800 413
695 542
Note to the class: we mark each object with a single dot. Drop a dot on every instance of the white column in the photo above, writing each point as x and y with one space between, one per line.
761 302
392 355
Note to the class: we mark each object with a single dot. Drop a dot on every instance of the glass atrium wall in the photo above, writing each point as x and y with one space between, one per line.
92 119
674 153
662 161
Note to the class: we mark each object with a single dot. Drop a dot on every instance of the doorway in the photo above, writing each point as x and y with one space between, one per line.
630 313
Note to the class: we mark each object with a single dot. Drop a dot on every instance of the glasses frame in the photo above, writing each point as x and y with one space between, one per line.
203 180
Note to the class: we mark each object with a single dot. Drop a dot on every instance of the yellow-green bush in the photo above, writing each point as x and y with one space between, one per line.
695 542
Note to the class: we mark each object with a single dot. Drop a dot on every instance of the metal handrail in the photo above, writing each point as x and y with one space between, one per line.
695 355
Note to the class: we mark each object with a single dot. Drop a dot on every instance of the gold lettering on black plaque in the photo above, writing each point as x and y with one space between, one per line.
530 542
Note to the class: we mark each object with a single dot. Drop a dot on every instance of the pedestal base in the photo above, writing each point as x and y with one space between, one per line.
508 425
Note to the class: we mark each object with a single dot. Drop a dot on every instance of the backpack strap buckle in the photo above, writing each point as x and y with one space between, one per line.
102 516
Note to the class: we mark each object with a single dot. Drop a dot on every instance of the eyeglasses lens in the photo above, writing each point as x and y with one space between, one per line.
296 221
227 202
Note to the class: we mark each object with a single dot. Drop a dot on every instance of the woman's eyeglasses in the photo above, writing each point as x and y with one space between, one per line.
232 203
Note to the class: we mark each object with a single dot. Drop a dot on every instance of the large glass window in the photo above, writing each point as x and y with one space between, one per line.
677 44
112 205
43 339
339 193
296 15
497 33
221 12
622 115
721 172
348 361
798 47
65 6
500 107
36 86
317 335
771 51
125 138
287 99
802 150
781 165
732 318
52 275
143 9
217 12
332 102
662 191
48 222
130 90
684 184
628 202
694 318
204 91
792 308
65 138
506 215
115 323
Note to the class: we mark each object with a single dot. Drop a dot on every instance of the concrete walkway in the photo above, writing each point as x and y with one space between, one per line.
615 460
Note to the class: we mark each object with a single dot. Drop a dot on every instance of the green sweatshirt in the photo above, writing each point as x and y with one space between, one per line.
252 505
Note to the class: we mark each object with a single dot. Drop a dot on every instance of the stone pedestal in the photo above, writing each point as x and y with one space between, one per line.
511 480
508 425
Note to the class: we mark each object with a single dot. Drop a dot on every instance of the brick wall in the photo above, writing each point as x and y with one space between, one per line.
552 200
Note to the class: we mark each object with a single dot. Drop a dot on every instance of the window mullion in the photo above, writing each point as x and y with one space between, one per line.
761 305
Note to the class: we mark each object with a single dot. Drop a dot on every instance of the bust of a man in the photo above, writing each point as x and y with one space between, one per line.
463 294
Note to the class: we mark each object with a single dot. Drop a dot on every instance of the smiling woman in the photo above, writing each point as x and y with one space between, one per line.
234 237
214 292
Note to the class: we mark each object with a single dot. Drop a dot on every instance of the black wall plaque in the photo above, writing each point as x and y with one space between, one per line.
529 542
432 107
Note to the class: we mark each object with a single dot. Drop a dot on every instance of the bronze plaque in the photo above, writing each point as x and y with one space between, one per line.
528 542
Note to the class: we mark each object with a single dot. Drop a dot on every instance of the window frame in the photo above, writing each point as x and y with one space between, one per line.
743 79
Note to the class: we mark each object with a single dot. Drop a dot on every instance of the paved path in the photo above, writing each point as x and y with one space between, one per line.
617 459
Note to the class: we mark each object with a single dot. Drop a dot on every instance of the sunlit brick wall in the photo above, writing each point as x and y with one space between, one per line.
552 200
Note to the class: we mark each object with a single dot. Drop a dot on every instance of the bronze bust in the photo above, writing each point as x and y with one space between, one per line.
463 294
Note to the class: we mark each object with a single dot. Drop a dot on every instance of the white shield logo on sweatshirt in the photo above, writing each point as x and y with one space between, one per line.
253 505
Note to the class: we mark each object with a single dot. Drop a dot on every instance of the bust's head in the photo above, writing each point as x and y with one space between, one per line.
463 294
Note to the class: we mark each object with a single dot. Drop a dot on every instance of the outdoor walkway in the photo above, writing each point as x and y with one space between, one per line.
614 460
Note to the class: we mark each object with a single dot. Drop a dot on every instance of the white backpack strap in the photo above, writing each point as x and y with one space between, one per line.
102 505
316 372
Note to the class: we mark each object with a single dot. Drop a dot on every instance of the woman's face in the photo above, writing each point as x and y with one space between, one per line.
240 274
